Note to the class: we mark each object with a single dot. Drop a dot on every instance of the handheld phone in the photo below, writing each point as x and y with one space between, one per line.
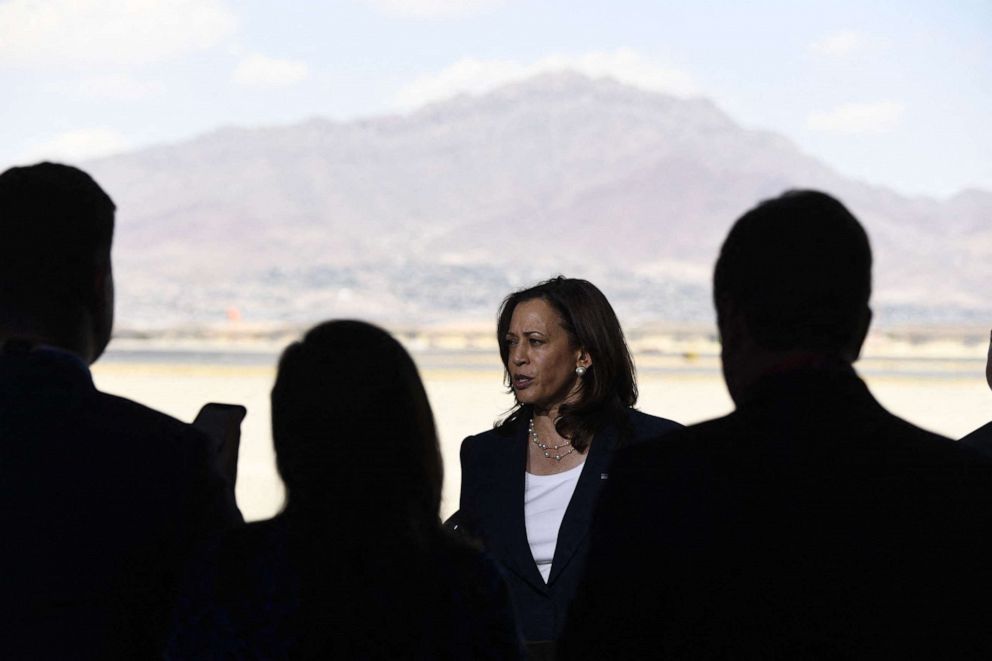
222 423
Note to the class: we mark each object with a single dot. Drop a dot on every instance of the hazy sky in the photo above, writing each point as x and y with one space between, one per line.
894 93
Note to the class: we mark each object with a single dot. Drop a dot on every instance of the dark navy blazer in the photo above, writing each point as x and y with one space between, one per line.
980 439
101 500
491 508
809 523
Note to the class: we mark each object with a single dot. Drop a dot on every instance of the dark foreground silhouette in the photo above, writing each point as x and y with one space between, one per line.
357 566
810 522
101 499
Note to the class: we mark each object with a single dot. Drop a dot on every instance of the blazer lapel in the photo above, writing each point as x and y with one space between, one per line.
507 502
578 515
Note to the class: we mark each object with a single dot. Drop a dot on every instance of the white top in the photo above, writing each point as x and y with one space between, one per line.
545 499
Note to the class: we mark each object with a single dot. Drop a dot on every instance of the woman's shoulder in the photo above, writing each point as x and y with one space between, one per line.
645 426
237 596
491 440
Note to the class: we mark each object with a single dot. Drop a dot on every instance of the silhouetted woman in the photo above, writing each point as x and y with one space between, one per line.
529 486
357 566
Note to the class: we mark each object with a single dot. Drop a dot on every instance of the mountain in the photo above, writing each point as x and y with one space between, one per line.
434 216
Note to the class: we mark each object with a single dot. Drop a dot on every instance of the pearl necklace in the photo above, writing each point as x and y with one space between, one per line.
548 449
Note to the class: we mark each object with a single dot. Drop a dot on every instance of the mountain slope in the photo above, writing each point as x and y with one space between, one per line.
421 218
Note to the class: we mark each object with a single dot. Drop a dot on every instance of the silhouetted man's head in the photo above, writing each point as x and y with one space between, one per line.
56 226
794 275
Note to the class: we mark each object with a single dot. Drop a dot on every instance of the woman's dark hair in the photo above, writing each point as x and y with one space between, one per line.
372 569
353 431
608 386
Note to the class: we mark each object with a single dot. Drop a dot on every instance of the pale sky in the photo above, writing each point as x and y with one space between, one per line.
892 93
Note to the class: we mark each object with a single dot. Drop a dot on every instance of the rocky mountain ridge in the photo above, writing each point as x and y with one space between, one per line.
436 215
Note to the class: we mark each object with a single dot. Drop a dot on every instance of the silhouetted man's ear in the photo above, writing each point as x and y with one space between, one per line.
735 347
731 325
102 309
858 340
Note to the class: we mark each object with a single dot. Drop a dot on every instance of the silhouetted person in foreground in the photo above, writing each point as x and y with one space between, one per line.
101 499
981 438
357 566
810 522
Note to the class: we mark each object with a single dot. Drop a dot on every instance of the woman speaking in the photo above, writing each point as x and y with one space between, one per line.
530 485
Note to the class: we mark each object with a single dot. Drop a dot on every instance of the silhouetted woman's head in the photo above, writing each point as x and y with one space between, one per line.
594 341
353 431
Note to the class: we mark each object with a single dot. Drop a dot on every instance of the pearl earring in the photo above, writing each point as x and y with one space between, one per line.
580 370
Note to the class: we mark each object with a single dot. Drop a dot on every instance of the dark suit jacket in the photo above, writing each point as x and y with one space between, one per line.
253 595
810 523
980 439
492 509
100 501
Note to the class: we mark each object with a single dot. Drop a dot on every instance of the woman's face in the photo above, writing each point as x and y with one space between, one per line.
541 357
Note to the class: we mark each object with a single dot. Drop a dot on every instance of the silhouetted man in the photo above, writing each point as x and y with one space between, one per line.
810 522
101 498
981 438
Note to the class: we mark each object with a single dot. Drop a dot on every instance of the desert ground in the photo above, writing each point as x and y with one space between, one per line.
937 384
